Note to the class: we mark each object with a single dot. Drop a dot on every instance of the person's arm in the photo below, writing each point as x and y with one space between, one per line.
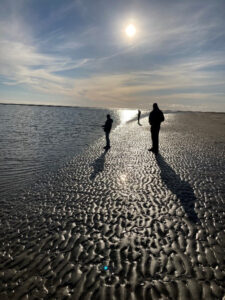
103 126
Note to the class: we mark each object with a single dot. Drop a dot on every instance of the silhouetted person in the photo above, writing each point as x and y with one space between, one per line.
139 116
155 118
107 128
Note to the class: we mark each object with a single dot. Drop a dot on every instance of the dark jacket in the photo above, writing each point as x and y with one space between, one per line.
156 117
108 125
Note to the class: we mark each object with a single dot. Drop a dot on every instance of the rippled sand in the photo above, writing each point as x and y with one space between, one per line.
124 224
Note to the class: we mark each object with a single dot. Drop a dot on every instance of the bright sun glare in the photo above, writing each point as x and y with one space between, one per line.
127 115
130 30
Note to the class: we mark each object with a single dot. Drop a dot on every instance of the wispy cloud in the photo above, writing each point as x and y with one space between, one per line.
22 63
181 81
178 54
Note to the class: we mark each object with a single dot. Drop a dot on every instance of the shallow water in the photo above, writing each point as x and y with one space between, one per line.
39 139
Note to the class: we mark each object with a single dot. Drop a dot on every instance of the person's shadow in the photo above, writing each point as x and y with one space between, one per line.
180 188
98 165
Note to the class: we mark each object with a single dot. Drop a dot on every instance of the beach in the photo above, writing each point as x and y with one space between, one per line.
124 223
38 140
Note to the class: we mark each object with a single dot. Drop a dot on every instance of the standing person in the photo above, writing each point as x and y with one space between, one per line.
155 118
107 128
139 116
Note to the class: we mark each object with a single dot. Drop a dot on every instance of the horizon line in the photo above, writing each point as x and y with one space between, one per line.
111 108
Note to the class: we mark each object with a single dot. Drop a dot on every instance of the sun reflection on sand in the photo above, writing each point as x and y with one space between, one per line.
126 115
123 177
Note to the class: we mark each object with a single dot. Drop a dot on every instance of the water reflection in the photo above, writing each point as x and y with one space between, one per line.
123 177
143 115
127 114
35 140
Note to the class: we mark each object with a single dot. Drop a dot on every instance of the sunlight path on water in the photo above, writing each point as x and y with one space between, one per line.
127 115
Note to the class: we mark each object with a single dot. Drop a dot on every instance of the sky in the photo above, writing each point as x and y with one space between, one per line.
76 52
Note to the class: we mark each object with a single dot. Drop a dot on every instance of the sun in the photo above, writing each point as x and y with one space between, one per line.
130 30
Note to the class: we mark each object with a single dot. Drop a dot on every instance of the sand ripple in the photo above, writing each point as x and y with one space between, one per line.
122 224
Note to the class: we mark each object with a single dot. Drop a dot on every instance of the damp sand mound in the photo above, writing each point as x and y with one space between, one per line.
124 224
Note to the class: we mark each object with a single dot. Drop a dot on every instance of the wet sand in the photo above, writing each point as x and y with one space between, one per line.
124 224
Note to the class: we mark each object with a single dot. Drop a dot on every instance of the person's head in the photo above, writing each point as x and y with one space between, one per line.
108 116
155 106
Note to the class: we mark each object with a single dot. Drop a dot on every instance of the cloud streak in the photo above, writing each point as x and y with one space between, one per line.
178 55
22 63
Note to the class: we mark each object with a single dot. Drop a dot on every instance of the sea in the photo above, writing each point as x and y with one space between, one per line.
35 140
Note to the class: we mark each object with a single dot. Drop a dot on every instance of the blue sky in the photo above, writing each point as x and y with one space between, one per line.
76 52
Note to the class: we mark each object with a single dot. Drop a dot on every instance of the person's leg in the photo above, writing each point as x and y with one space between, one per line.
155 139
156 147
152 136
107 140
150 149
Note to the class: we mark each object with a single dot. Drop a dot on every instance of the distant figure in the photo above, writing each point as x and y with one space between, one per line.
107 128
139 116
155 118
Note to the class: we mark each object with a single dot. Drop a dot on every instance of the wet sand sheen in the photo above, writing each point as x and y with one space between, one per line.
123 224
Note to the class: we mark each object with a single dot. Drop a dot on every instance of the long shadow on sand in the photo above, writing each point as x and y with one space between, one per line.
180 188
98 165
